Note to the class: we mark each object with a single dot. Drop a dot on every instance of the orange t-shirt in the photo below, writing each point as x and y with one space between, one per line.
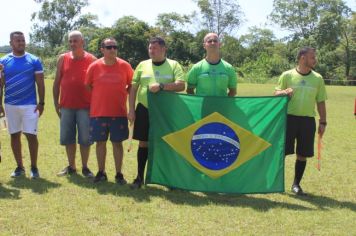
73 93
109 88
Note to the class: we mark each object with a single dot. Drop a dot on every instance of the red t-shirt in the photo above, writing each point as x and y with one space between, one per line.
109 88
73 93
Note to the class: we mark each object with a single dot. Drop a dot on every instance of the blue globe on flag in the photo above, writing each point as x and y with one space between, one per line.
215 146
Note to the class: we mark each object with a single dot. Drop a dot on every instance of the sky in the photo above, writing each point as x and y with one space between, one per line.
16 14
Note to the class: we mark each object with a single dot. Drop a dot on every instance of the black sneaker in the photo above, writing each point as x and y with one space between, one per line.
100 177
67 171
136 184
19 171
87 173
119 178
298 190
34 174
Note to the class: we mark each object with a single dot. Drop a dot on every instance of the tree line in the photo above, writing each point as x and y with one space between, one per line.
258 55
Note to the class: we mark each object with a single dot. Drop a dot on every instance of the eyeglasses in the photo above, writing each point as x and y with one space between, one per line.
212 41
110 47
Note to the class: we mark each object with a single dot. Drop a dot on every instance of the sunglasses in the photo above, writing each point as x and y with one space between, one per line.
110 47
212 41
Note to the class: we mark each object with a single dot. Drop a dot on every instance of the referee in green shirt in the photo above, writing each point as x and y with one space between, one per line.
306 89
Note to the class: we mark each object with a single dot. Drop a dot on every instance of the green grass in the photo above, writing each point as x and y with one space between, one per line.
74 206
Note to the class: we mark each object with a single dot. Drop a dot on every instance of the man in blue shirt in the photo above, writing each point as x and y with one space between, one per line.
22 73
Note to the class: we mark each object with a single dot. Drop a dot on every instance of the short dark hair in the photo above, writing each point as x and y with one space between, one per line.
303 51
102 44
158 40
12 34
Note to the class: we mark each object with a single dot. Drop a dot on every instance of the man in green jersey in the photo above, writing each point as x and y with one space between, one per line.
306 88
212 76
156 74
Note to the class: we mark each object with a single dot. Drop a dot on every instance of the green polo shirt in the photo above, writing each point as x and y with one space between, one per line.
212 79
147 73
307 91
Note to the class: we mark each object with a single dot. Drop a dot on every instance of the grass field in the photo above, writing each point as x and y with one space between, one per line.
74 206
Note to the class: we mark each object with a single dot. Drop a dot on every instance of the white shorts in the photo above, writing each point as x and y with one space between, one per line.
21 118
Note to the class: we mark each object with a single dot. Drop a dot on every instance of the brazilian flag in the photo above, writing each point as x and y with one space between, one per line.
217 144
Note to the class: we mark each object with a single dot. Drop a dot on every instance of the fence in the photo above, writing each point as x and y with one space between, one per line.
340 82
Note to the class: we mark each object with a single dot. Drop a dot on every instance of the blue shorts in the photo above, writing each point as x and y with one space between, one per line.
73 120
101 127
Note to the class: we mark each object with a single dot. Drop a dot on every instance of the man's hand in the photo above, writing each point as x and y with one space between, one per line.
154 88
2 111
39 108
58 110
2 82
321 129
131 116
287 91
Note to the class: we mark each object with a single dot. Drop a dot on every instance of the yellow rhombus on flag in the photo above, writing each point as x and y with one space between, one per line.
247 145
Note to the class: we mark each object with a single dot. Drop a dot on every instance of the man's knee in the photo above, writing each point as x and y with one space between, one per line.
301 158
143 144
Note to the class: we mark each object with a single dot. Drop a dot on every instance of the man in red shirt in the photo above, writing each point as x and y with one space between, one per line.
72 102
109 79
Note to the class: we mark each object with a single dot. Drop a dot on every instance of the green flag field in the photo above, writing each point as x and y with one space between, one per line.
217 144
74 205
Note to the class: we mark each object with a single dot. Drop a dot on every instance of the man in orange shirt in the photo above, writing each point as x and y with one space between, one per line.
72 102
109 79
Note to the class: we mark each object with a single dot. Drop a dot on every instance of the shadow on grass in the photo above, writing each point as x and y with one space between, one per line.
325 203
181 197
9 193
39 185
116 189
257 202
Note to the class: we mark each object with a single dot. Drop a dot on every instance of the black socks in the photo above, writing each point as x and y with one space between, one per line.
142 154
299 171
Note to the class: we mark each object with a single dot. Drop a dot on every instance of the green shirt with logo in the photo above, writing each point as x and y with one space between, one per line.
212 79
147 73
307 91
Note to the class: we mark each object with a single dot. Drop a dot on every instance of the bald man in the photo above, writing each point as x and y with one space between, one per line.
212 76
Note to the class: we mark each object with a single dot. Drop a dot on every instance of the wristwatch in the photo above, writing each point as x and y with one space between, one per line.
41 103
161 86
323 123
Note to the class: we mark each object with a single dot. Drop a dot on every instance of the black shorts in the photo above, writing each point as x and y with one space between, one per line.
141 123
301 129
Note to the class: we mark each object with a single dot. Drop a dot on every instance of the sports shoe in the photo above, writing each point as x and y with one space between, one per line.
119 178
34 174
87 173
19 171
298 190
100 177
67 171
136 184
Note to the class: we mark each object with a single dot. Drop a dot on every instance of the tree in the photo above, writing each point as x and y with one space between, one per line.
306 17
132 37
348 46
181 43
220 16
322 24
295 15
56 18
258 41
170 22
264 56
232 50
181 47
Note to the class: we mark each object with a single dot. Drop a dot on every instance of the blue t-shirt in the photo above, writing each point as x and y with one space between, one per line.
20 86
